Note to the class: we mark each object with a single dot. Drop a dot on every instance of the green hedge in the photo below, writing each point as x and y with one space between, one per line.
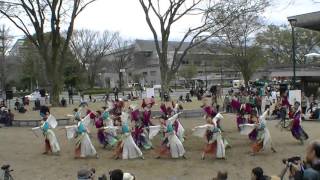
96 91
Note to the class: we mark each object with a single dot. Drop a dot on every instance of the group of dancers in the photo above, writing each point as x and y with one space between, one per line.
129 129
256 129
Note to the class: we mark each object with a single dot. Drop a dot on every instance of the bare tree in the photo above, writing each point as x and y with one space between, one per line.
5 41
39 17
169 12
90 48
236 38
120 56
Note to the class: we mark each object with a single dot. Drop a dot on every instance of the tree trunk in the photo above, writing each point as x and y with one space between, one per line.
54 95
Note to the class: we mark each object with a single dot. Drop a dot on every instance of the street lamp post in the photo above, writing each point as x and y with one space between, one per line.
293 22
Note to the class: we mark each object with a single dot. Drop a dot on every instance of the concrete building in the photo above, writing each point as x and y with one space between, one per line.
143 64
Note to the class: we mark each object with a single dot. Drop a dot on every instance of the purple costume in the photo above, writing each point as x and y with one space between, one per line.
101 135
240 120
296 128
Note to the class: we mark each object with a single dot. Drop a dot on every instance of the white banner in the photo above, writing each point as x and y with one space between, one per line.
150 92
294 95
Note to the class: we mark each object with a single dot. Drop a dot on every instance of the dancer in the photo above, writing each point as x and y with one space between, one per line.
179 129
140 127
296 129
51 142
252 120
83 144
126 147
104 134
240 119
170 145
263 140
213 135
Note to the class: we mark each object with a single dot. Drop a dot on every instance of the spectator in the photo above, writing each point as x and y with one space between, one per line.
63 102
258 104
118 174
17 105
227 103
221 176
304 103
70 93
10 118
37 104
257 174
103 177
188 98
181 99
313 161
268 102
90 98
83 103
44 110
85 174
192 92
116 92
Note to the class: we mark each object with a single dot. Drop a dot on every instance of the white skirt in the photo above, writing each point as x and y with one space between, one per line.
87 149
54 144
176 147
221 152
130 149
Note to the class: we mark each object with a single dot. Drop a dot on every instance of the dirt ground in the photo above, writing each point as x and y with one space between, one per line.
20 148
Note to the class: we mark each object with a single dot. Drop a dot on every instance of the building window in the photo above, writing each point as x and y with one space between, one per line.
153 73
197 63
144 73
185 62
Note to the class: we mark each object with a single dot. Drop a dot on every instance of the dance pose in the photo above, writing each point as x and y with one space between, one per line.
51 142
170 143
296 129
216 144
263 139
240 119
83 144
140 127
105 134
126 147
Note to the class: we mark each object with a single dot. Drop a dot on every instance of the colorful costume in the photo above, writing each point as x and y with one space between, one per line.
296 129
127 147
215 143
83 144
105 137
240 120
263 138
51 141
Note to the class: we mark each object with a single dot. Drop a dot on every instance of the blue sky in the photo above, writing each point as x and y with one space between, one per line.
127 17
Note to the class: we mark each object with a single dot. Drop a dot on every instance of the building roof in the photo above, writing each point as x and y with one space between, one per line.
149 45
308 21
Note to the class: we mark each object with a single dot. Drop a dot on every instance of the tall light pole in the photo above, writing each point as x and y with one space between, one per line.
293 22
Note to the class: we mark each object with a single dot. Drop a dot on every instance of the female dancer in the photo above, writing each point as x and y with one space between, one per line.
170 145
263 140
127 148
105 136
215 143
80 131
51 142
240 119
296 129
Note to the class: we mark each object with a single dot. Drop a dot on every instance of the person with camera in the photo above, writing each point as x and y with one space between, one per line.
300 170
313 162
